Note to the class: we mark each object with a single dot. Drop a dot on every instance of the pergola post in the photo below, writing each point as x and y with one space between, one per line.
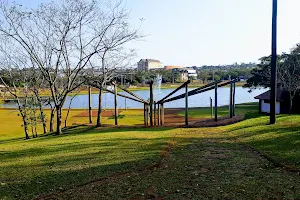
186 106
90 104
211 107
162 119
216 102
116 105
230 100
151 103
154 113
145 115
233 100
158 115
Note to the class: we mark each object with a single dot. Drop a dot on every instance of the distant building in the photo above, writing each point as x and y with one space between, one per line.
186 74
192 73
149 64
170 67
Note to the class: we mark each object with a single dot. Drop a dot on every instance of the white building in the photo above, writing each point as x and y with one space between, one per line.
264 102
192 73
149 64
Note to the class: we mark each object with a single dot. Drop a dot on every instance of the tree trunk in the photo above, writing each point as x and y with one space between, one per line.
58 121
68 112
291 104
32 131
52 119
99 109
25 128
35 131
43 118
66 119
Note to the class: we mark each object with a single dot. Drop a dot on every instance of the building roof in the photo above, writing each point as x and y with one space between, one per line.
281 95
169 67
150 60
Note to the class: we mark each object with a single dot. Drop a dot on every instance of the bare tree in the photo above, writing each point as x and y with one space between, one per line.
36 84
18 88
33 117
288 75
112 60
52 114
62 37
69 107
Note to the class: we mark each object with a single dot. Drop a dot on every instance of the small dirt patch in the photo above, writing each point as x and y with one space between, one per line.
222 121
172 116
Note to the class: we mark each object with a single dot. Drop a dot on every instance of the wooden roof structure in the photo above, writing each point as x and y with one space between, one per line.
281 95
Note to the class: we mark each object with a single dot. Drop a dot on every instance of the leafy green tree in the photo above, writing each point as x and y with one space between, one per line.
203 75
260 76
288 70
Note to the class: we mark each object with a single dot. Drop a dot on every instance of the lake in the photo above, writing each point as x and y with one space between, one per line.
198 100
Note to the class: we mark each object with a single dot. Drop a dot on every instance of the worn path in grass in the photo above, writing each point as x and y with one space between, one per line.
197 165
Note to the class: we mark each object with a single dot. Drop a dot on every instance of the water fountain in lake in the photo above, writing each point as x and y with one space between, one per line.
157 83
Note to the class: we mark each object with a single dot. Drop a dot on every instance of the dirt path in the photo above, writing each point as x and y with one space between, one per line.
197 169
172 117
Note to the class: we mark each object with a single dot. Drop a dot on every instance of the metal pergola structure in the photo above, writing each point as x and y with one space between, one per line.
154 111
211 86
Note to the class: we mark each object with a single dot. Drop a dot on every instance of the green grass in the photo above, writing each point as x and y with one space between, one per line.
280 141
11 123
198 168
47 164
203 163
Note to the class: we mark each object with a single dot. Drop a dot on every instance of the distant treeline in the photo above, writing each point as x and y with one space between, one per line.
227 67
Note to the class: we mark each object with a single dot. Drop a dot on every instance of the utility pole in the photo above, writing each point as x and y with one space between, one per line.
273 65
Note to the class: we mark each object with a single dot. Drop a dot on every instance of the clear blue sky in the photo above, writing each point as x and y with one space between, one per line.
198 32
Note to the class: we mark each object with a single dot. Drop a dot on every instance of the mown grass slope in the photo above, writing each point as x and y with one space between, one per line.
199 163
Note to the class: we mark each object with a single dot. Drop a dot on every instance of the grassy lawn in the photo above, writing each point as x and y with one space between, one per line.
192 163
48 164
11 123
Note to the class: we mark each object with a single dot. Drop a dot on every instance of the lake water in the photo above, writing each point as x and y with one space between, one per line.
198 100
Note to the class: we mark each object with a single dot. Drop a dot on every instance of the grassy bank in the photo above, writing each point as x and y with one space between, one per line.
194 163
11 123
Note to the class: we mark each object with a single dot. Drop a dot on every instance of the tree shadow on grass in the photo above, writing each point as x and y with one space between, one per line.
96 159
83 129
57 181
110 145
